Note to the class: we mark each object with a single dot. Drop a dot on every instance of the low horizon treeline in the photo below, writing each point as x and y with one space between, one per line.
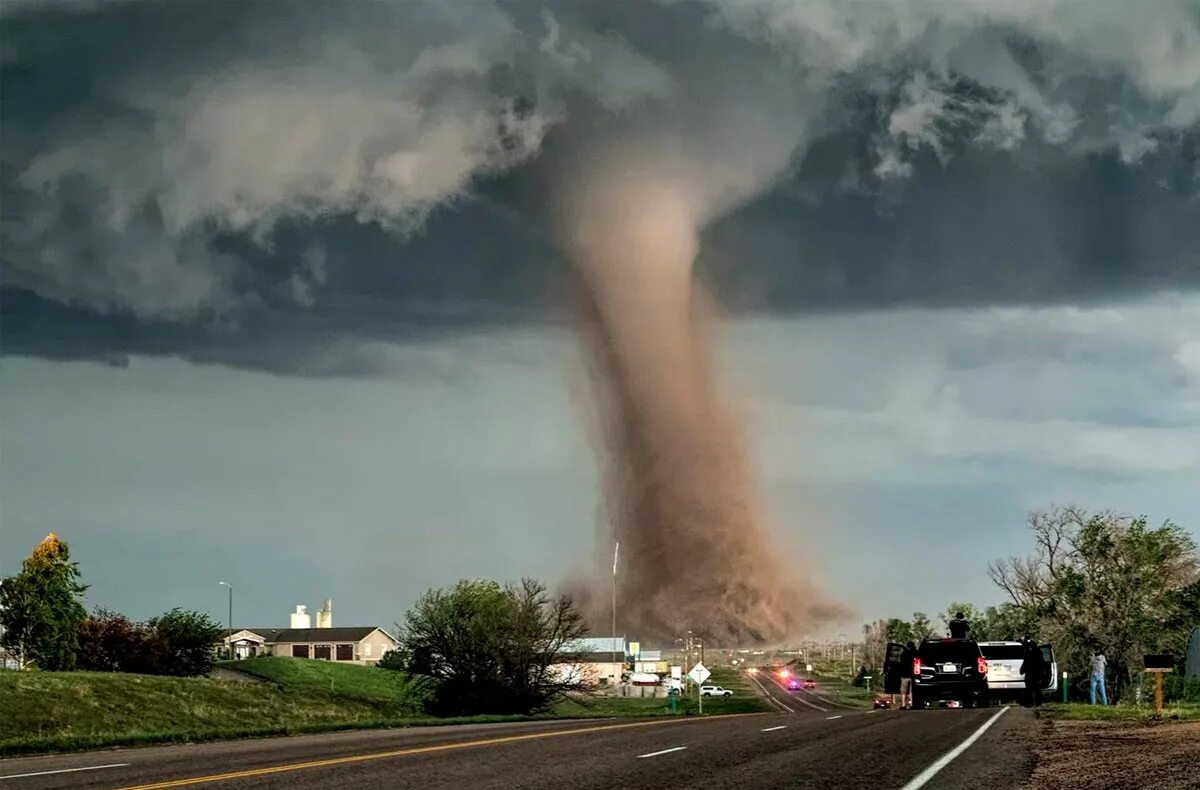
46 627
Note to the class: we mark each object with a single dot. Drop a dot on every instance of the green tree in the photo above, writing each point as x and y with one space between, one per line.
488 648
40 608
921 627
1107 581
900 631
1009 622
187 641
977 619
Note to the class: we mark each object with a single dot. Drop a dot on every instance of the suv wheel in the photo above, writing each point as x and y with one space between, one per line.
917 702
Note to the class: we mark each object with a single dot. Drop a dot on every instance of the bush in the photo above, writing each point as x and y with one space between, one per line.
187 639
1176 688
394 660
111 642
176 643
487 648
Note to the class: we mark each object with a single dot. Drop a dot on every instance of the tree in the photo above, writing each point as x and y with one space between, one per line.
186 640
111 642
487 648
40 608
921 627
1107 581
899 631
977 619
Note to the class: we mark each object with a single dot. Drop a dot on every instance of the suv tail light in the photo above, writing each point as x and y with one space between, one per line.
981 665
916 667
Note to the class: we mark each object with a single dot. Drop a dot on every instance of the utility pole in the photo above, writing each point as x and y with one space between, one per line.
229 639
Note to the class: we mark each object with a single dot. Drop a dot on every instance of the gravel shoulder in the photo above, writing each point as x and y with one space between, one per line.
1099 755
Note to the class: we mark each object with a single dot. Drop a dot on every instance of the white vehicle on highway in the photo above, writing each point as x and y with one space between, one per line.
1004 660
715 691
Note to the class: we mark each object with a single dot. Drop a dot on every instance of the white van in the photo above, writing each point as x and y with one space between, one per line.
1004 660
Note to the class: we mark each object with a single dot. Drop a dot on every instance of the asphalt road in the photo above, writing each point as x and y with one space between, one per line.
808 748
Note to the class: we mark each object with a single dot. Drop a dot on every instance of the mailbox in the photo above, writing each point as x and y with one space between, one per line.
1162 662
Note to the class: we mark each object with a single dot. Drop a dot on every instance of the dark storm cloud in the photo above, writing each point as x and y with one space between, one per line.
238 184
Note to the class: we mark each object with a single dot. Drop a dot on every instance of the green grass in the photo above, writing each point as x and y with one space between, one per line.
46 711
314 679
68 711
1074 711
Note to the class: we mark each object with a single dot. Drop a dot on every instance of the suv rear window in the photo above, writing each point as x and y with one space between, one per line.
958 652
1002 652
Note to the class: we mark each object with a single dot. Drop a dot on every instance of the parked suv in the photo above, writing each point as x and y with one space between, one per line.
949 669
1004 660
715 691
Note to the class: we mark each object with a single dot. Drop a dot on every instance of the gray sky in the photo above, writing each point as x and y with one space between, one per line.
281 304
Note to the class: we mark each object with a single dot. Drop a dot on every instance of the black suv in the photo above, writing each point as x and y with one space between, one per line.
946 669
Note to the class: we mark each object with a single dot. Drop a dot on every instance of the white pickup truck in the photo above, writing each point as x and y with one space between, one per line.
715 691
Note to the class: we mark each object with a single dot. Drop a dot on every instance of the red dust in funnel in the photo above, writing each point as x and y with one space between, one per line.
678 489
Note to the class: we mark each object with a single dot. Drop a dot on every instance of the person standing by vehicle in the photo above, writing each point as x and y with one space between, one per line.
1099 665
1033 667
959 626
906 673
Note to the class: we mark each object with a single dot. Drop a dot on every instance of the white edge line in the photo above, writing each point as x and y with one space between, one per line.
920 779
831 718
63 771
664 751
772 729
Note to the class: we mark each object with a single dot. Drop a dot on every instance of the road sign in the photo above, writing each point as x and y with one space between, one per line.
676 671
635 649
699 673
808 667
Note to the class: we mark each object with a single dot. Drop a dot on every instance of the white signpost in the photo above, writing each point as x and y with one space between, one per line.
699 674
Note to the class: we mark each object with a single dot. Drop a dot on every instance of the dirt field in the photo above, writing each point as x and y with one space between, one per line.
1095 755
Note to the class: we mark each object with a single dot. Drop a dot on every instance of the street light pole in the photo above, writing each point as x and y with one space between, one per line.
616 551
230 622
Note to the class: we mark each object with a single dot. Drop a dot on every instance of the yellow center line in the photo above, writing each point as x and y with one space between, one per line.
442 747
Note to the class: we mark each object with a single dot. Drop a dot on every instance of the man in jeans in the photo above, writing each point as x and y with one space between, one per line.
1099 664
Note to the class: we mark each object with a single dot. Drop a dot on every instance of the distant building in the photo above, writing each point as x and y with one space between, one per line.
354 644
594 661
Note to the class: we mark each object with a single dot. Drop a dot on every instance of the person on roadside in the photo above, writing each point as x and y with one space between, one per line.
906 674
959 626
1033 667
1099 666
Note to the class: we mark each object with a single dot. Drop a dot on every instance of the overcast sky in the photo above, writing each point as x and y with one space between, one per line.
281 304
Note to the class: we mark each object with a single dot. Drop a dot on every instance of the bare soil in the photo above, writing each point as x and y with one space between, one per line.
1103 755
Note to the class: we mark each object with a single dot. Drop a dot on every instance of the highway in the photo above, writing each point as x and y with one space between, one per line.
808 748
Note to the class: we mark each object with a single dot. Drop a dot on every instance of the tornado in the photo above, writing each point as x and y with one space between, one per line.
678 488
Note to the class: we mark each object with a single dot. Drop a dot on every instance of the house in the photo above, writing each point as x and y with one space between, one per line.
364 644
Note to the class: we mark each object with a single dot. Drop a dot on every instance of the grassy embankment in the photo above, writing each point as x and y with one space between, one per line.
65 711
1075 711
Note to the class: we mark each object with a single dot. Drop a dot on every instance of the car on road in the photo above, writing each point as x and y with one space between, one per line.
809 683
715 691
882 702
1004 659
794 684
949 669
